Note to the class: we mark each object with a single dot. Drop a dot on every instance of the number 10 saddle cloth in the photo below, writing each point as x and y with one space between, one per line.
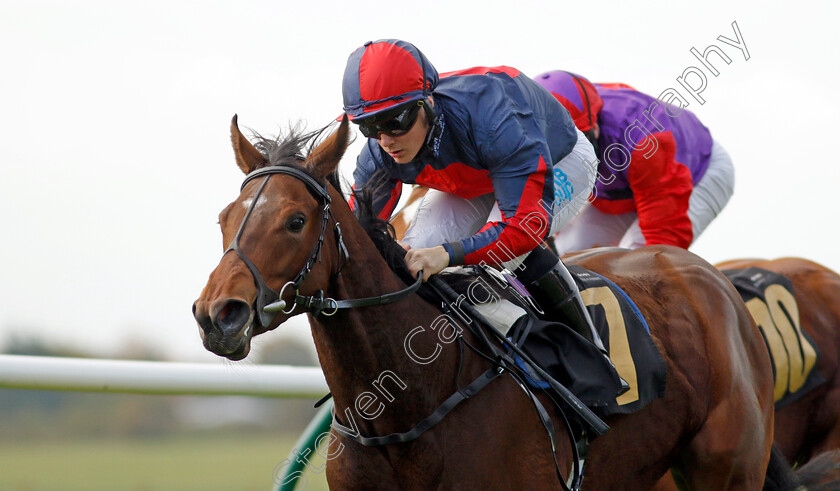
793 353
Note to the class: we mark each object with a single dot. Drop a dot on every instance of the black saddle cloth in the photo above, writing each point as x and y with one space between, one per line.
793 352
572 360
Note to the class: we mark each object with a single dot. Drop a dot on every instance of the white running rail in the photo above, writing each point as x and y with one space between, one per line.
155 377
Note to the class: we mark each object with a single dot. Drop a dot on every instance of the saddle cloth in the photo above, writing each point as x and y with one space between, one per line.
575 362
793 353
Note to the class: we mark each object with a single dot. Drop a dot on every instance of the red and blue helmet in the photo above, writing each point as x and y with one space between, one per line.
385 74
577 95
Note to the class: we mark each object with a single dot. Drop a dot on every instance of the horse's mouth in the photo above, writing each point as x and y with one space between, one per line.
240 353
229 331
229 347
233 347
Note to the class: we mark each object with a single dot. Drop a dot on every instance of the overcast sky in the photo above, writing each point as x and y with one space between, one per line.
115 157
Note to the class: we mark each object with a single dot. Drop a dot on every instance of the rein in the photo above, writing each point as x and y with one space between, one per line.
269 301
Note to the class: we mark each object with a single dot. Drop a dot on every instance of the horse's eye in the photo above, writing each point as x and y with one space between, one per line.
295 224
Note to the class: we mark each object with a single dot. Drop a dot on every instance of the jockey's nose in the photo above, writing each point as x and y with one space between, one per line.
385 139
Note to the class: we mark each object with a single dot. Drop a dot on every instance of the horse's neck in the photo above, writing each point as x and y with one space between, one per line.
364 351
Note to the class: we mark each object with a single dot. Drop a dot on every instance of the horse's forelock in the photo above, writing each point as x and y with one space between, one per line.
286 149
293 148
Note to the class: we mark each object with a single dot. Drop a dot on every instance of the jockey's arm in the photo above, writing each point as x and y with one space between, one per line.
525 224
522 181
524 201
661 190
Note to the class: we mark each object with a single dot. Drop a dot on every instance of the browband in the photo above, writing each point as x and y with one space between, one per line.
316 186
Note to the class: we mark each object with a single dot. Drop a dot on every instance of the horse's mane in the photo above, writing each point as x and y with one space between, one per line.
380 231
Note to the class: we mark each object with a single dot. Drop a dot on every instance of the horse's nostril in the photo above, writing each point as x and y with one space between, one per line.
224 312
202 317
233 316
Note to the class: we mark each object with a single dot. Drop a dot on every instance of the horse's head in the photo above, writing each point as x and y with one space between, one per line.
281 238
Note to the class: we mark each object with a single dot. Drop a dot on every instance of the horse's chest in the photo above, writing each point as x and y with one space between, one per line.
377 468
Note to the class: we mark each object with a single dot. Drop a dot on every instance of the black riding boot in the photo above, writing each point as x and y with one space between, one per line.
558 296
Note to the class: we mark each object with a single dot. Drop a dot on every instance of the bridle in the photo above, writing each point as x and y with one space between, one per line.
269 302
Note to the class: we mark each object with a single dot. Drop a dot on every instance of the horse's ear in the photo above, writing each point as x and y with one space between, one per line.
248 158
324 159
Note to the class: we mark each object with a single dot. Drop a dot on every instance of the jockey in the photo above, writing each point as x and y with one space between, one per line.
479 138
661 178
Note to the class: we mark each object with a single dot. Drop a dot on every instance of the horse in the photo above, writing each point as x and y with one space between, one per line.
402 219
296 246
811 425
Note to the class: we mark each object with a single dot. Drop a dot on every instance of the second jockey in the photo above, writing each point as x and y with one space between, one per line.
661 177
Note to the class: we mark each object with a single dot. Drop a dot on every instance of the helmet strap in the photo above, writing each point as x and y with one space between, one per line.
586 99
435 129
590 135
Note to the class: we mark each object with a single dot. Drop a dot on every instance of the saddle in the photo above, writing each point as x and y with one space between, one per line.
565 355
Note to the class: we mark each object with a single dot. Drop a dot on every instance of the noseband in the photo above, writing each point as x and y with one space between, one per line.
268 301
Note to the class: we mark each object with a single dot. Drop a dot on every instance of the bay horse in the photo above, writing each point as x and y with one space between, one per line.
811 425
294 241
807 431
402 219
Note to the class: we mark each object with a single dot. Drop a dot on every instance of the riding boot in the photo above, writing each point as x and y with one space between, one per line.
558 296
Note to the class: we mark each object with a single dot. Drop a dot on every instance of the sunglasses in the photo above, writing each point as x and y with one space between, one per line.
395 122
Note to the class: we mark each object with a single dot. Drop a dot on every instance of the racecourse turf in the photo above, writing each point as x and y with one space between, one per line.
224 463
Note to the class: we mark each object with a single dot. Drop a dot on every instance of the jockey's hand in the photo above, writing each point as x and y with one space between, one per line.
431 260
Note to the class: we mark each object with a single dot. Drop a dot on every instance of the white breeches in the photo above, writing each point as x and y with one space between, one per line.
592 228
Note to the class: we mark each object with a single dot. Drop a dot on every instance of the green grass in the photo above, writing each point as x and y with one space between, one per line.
199 462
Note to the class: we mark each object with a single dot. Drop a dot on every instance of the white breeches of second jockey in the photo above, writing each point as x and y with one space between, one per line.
592 228
443 217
